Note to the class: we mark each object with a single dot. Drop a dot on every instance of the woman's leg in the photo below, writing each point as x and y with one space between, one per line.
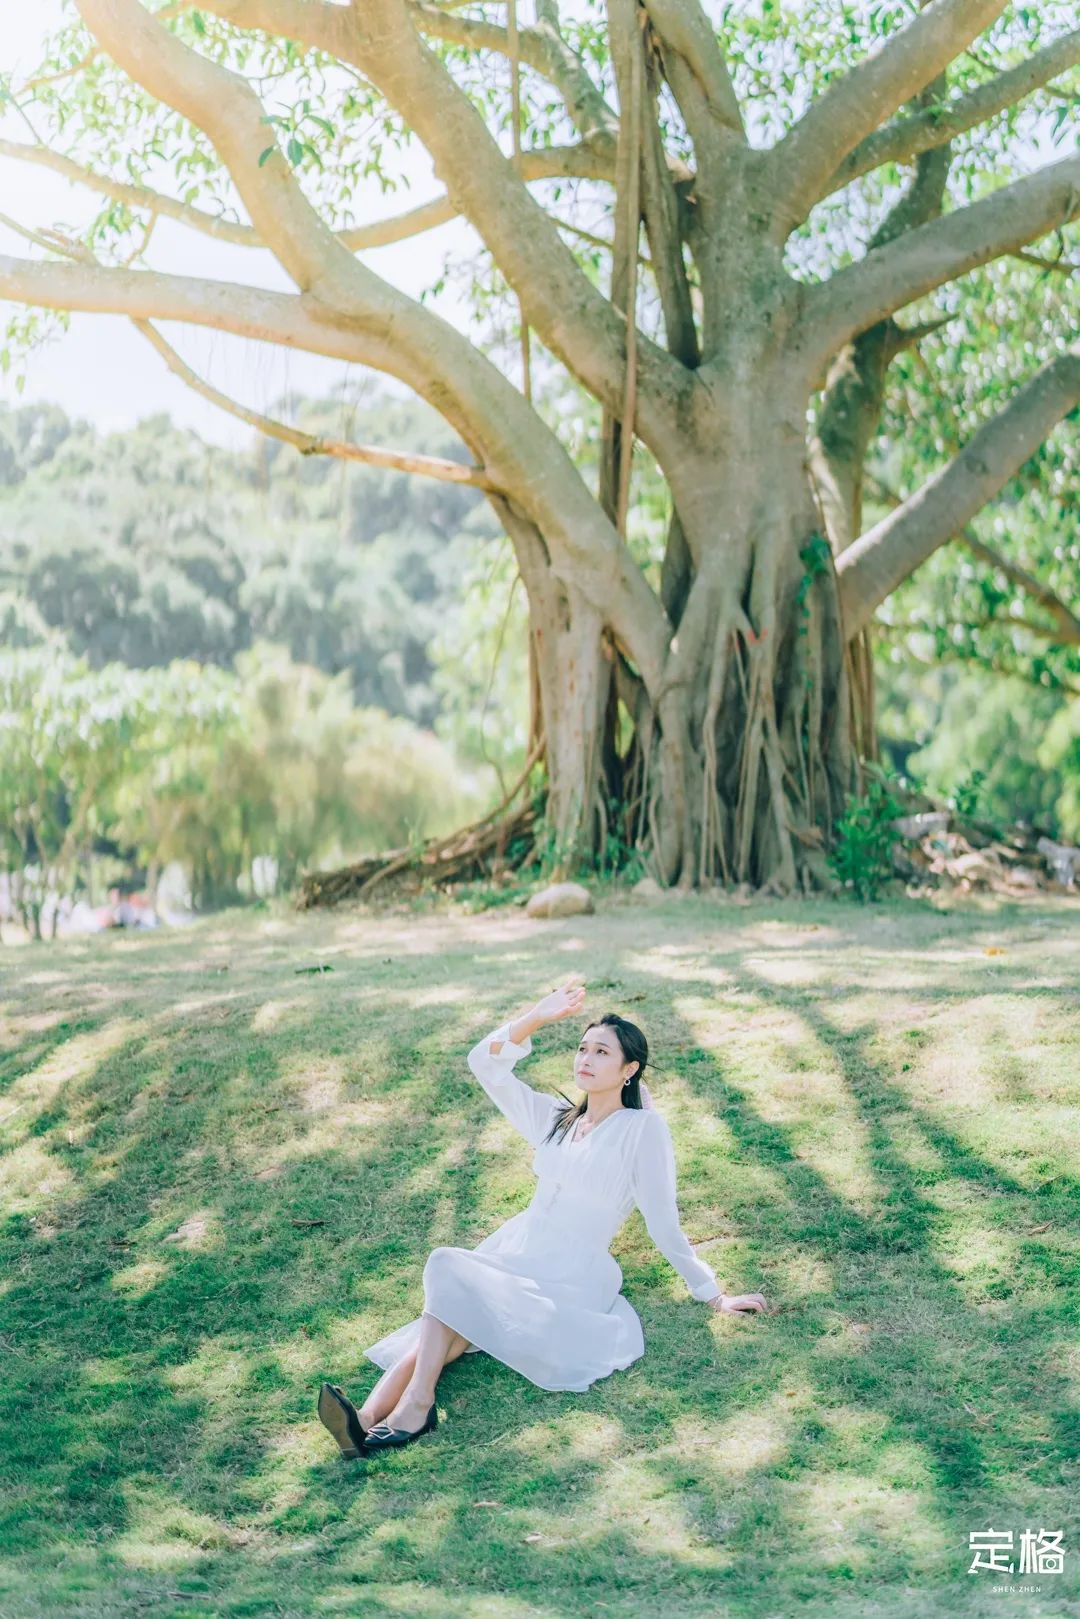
438 1345
388 1391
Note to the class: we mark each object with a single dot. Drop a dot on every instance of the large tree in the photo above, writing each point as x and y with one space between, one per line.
706 712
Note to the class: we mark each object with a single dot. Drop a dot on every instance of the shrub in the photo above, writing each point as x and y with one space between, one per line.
861 856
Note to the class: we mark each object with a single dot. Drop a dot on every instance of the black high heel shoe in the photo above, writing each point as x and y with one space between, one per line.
382 1437
338 1414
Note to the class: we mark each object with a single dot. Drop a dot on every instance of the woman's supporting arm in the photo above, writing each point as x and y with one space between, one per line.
652 1181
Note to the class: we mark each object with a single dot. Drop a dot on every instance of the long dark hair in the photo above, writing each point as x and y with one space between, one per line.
634 1047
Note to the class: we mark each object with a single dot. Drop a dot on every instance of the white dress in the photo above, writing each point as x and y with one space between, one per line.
541 1293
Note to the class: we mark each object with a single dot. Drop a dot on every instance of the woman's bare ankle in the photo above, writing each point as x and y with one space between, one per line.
416 1399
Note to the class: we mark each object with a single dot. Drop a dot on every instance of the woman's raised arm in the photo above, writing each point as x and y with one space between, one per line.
492 1060
564 1002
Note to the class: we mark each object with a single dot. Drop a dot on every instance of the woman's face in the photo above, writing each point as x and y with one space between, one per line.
599 1065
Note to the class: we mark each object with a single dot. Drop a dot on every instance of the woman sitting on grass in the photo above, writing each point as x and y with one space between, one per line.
542 1293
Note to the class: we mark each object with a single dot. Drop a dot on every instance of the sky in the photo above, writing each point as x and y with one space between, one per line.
102 369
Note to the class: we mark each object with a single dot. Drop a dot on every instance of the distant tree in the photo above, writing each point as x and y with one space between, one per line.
991 733
148 546
21 625
206 767
65 733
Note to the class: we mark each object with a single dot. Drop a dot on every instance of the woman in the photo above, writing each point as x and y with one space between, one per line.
542 1292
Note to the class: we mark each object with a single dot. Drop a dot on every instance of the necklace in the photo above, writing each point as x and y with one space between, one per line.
578 1137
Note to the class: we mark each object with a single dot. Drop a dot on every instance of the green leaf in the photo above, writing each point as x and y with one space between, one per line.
265 154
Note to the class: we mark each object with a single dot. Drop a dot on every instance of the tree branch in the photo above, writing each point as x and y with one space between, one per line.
847 419
1045 680
314 24
427 466
380 40
1066 630
659 204
584 161
135 196
925 258
224 105
803 163
854 390
295 320
319 27
904 139
683 49
559 301
349 312
542 48
548 163
1060 265
869 570
518 452
686 31
1067 625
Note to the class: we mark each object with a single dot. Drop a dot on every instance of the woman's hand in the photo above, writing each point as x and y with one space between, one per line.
742 1303
565 1002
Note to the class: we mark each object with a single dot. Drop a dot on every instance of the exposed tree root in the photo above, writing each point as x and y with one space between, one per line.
482 850
501 841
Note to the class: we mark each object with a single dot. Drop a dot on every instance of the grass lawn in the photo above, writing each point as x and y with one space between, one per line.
221 1176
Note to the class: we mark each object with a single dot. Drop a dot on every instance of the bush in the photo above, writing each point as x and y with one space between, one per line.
243 778
861 856
968 797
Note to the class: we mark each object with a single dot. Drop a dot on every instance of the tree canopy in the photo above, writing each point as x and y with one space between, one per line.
707 221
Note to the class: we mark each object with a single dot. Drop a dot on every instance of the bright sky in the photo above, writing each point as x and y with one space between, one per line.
103 369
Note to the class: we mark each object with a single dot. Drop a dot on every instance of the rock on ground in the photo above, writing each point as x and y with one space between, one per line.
648 888
561 899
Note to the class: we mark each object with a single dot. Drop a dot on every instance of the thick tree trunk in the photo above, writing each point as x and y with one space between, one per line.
762 736
574 665
737 764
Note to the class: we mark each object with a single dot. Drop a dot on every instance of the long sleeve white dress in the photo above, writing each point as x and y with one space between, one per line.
542 1293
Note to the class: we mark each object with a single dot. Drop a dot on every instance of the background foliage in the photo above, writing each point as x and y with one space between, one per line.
150 547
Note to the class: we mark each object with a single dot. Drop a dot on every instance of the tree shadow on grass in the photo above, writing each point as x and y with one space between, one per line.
174 1395
186 1416
976 1415
153 1121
